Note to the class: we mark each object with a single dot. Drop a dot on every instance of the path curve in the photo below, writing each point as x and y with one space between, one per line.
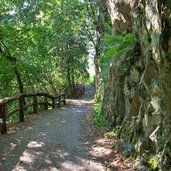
51 141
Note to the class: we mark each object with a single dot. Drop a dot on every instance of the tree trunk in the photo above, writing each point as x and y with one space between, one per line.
13 61
98 75
70 90
19 81
97 42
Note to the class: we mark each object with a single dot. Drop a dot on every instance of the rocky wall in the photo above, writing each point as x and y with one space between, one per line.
138 92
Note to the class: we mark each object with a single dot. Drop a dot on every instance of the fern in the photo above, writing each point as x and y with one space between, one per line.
117 46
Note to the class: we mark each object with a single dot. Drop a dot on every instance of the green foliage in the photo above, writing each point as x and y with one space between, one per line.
13 119
90 80
153 163
117 46
97 117
105 64
48 42
111 134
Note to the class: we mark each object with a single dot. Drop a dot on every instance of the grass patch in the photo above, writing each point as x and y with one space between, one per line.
90 81
111 134
153 163
97 117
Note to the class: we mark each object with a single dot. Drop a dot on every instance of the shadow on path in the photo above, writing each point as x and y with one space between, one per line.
50 141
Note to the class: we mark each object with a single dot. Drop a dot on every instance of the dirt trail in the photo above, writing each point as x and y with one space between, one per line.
52 141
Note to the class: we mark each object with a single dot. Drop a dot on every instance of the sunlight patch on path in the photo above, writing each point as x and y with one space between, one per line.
84 165
35 144
57 140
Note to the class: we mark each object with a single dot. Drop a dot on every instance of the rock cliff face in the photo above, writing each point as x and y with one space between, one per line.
138 92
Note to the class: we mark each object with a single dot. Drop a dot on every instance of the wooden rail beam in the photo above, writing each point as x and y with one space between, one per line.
35 106
21 107
46 103
4 114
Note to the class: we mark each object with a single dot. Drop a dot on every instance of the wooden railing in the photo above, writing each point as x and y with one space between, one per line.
22 105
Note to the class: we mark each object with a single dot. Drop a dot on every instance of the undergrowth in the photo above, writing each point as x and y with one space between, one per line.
90 81
15 118
117 46
97 117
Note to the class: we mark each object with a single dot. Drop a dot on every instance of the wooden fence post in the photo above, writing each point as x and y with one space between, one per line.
3 115
46 103
35 105
53 103
64 100
83 89
59 101
21 107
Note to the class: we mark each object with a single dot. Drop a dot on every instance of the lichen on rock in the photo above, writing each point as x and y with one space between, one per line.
139 100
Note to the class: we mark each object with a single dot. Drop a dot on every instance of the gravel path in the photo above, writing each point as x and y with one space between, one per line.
51 141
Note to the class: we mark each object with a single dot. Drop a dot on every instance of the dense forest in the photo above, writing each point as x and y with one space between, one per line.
46 46
43 46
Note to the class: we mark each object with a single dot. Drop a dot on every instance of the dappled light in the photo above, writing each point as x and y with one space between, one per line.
27 157
13 146
60 140
100 151
35 144
103 64
57 140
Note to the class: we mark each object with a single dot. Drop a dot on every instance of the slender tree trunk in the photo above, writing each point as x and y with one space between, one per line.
13 62
73 80
19 81
31 83
97 42
98 75
70 90
72 74
50 81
